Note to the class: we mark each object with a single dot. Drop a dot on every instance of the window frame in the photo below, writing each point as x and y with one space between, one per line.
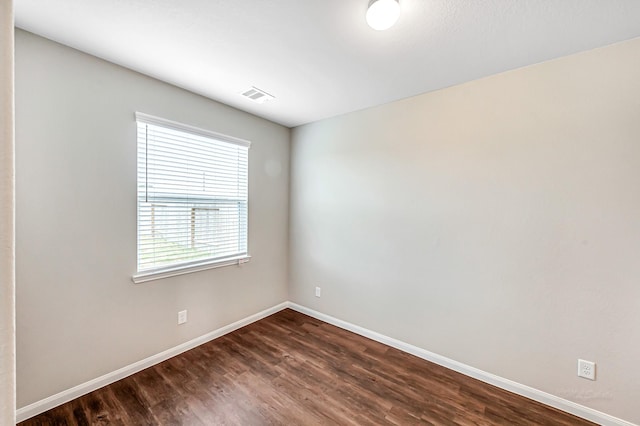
196 265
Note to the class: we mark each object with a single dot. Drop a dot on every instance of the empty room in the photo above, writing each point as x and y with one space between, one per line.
318 212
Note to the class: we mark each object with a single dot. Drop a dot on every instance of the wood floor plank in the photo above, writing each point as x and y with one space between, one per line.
98 410
291 369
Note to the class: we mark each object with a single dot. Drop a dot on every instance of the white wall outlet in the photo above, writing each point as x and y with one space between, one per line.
318 291
587 369
182 317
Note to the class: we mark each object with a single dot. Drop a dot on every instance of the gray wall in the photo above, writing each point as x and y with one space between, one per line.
496 223
78 313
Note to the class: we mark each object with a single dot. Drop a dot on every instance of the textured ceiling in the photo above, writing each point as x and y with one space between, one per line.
318 57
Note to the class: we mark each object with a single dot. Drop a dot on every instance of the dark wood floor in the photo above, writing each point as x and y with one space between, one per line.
291 369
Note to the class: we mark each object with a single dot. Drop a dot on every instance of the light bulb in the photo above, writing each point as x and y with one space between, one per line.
382 14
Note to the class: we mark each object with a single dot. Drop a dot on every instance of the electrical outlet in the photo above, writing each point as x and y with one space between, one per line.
587 369
318 291
182 317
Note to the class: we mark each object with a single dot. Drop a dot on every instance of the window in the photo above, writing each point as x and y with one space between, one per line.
192 198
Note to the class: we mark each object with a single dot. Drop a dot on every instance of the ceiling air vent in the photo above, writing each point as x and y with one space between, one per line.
257 95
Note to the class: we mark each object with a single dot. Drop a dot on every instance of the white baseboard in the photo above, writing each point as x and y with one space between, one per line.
84 388
511 386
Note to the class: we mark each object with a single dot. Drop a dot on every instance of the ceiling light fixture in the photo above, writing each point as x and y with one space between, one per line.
382 14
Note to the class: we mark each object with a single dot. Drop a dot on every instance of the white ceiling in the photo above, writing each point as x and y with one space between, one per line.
318 57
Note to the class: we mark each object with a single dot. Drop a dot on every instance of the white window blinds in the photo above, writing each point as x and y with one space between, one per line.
192 195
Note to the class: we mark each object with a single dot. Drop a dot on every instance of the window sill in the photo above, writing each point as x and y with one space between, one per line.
181 270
